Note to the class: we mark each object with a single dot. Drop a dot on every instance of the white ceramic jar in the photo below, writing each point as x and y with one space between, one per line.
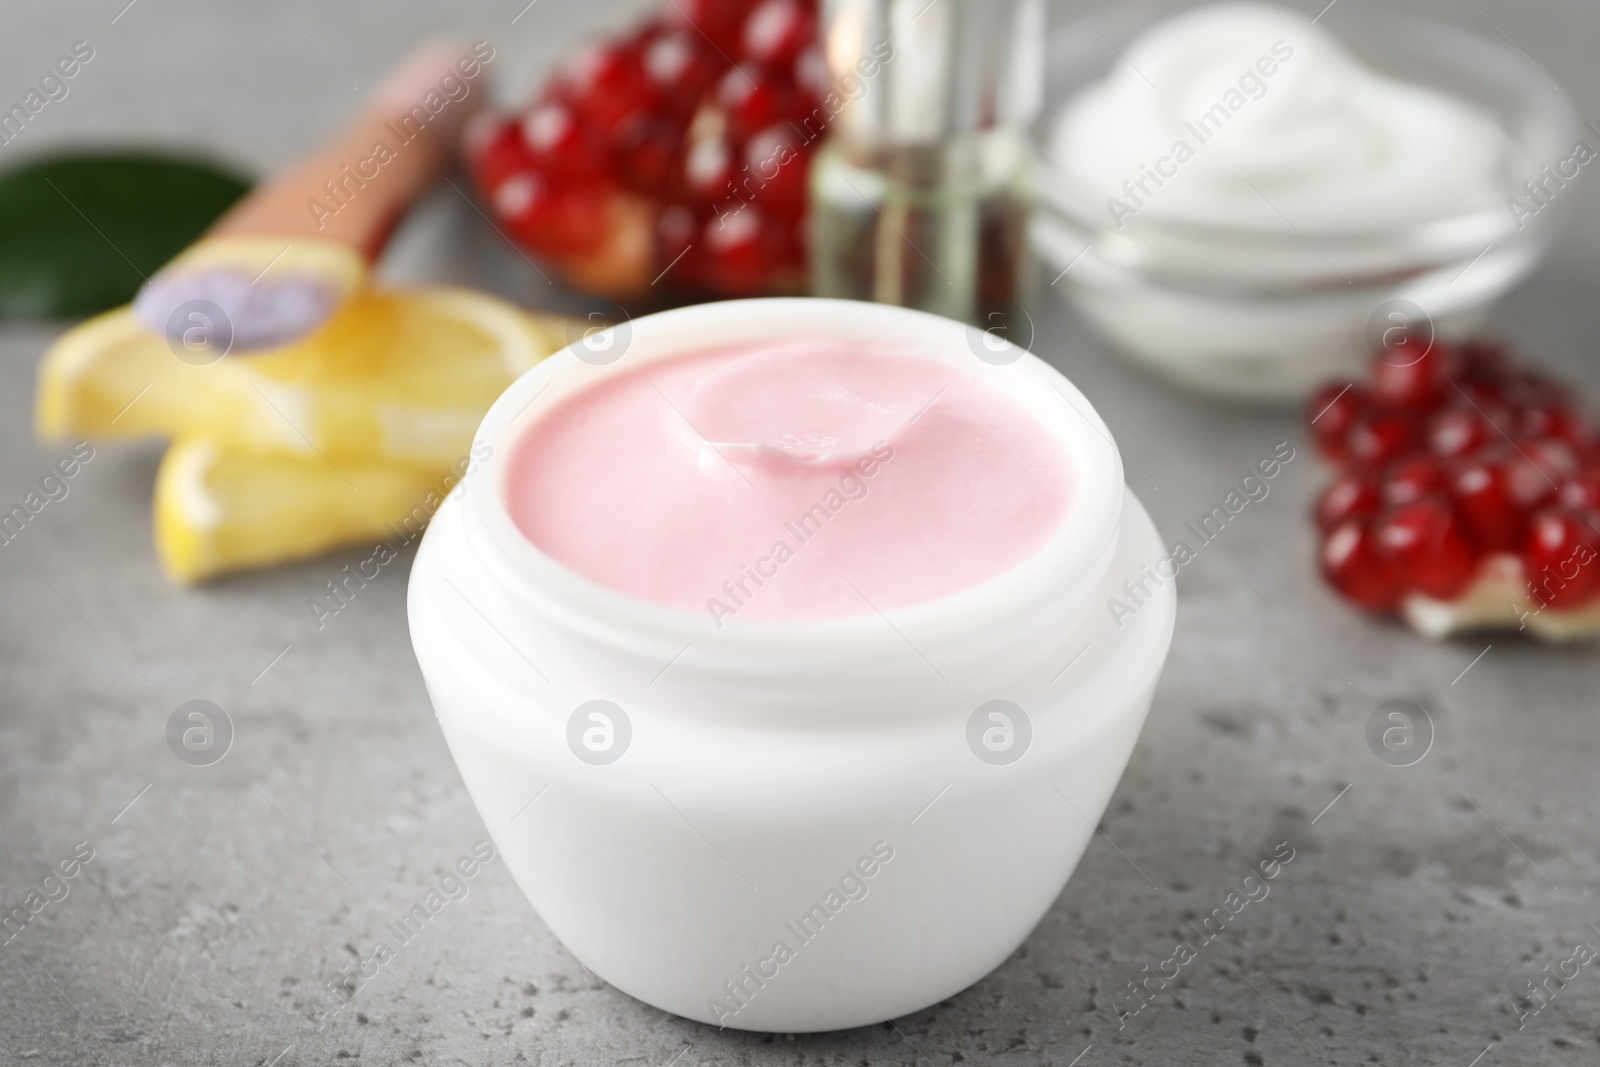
791 825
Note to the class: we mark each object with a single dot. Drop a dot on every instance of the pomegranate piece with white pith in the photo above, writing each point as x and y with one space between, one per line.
669 160
1467 494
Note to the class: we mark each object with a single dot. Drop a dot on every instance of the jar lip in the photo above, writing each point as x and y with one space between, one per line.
1081 543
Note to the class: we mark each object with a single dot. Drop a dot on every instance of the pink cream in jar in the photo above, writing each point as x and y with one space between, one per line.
804 480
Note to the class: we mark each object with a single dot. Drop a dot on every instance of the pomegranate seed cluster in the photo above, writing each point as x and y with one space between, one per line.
682 147
1448 456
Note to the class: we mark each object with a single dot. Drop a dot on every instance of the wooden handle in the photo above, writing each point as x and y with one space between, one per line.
355 188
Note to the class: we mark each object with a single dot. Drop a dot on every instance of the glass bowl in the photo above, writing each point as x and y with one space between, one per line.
1266 315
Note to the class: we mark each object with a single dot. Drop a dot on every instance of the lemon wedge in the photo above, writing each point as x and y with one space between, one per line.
219 509
394 377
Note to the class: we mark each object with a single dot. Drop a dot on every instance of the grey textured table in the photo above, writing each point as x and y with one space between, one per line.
221 901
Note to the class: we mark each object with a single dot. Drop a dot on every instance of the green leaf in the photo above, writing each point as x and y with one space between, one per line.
80 232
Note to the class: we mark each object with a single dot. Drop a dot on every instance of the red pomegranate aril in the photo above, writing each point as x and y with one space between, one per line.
1410 479
753 99
1332 411
1413 373
1353 495
1582 490
742 252
1379 435
495 150
680 67
1554 460
1352 565
521 197
719 20
1457 432
1550 420
1425 547
1495 494
777 30
606 82
1560 559
1501 418
561 144
646 150
775 170
549 217
1479 492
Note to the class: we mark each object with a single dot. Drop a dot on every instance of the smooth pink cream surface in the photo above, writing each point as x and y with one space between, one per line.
801 480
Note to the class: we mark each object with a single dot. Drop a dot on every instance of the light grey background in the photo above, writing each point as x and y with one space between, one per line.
219 903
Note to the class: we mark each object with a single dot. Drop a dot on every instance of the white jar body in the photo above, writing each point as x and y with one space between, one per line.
744 804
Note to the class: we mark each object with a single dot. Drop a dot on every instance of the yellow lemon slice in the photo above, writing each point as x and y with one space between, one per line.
219 509
394 376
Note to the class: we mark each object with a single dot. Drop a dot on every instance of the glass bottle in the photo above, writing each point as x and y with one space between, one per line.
921 195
